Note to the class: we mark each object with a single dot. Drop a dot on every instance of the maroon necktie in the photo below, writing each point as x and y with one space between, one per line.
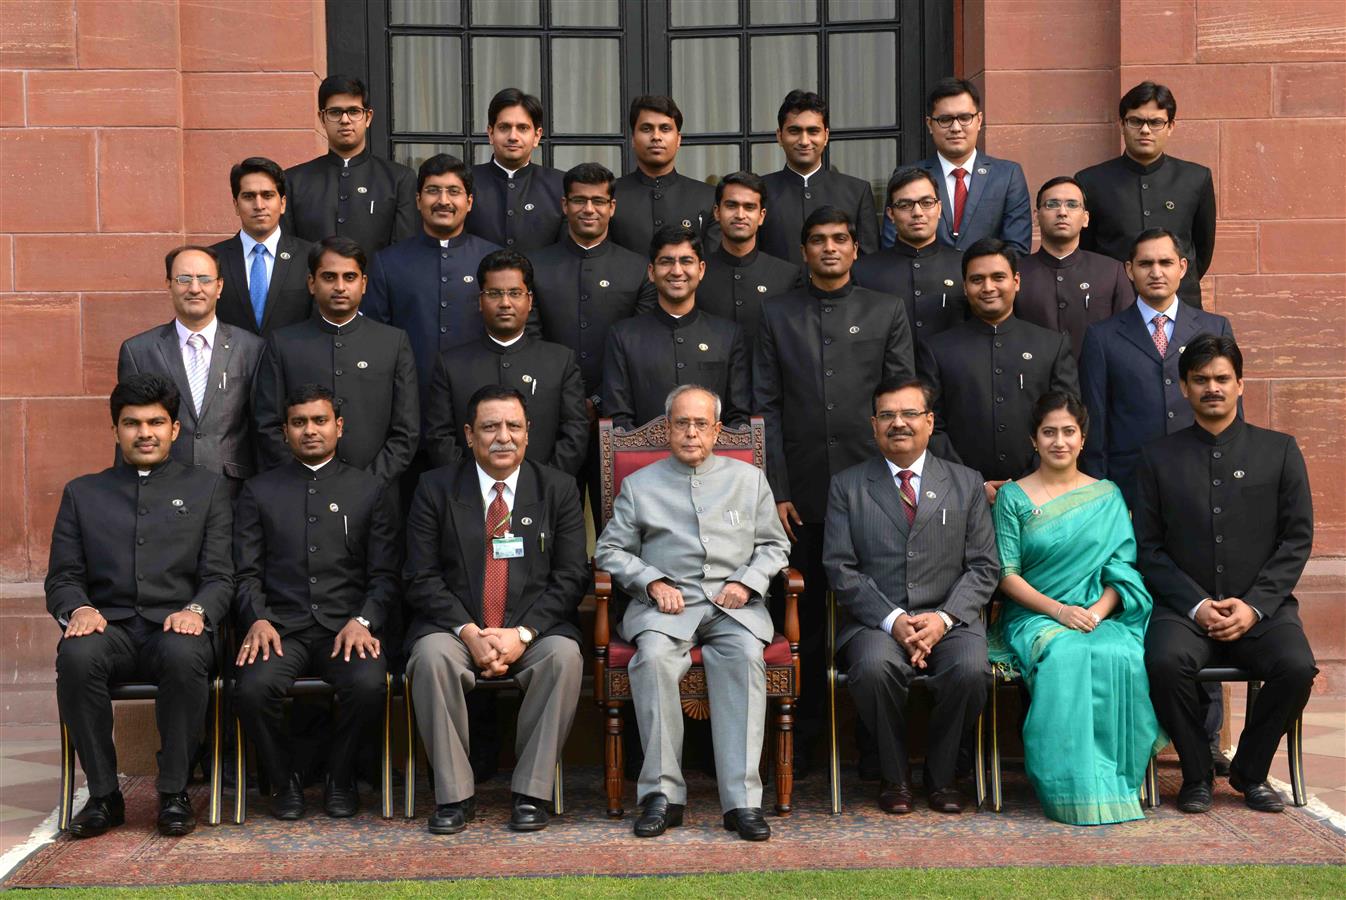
496 583
908 495
1160 337
959 198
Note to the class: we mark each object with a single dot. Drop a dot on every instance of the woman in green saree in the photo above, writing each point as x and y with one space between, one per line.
1074 625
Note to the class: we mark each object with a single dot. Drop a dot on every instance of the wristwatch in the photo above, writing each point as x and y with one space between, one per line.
362 620
196 608
948 619
526 635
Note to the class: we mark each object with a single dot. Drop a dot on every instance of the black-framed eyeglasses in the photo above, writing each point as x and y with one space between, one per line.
925 203
337 113
946 122
1136 123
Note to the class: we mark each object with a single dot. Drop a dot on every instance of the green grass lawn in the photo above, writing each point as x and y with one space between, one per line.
1087 881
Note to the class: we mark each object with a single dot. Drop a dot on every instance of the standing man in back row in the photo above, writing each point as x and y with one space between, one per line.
517 204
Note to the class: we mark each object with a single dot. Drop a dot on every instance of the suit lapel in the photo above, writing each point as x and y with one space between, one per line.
934 482
171 354
469 522
977 185
1135 331
932 166
1185 327
883 490
219 364
235 280
524 519
279 270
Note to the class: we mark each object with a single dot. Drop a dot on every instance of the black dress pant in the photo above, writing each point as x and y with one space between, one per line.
1279 657
262 687
135 649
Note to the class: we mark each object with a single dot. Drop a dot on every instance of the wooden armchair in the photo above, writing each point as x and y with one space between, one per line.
620 454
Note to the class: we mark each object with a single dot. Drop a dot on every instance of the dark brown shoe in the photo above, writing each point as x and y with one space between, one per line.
895 799
946 800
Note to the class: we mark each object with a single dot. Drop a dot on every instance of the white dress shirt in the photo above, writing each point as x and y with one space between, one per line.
916 468
1148 312
486 482
271 242
184 333
951 183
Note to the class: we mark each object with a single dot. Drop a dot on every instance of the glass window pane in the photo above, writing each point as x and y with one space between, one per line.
708 163
414 154
856 59
705 84
499 63
780 64
872 160
481 153
567 156
855 10
505 12
425 12
422 66
767 158
782 12
691 13
586 86
585 13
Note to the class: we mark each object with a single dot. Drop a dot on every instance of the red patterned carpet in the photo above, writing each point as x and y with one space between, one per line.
585 842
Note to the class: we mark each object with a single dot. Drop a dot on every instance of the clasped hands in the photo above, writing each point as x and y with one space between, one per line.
1226 620
734 595
494 650
918 635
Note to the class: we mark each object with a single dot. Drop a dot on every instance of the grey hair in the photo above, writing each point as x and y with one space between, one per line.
684 388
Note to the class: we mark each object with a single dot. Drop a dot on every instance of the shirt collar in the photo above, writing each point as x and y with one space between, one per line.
208 332
486 482
509 343
707 465
509 173
738 262
802 176
918 467
948 167
331 327
582 251
1148 312
271 243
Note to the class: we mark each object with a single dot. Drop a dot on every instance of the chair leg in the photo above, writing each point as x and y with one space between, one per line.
558 793
997 798
1149 787
612 759
1294 747
833 752
409 766
240 773
386 769
785 751
67 778
216 752
979 764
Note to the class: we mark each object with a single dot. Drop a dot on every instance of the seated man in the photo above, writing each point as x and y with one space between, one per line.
139 577
910 553
490 593
694 540
316 553
1224 525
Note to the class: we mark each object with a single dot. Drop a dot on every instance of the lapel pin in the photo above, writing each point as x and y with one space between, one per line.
855 329
528 207
1168 204
285 254
362 190
362 365
703 347
981 170
527 379
1238 473
333 507
1084 285
177 502
761 289
930 495
1182 349
525 521
468 279
948 282
226 346
686 223
1028 355
604 283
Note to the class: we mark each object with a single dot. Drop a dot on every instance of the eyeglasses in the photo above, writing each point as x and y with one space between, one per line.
1136 123
452 191
1057 204
203 280
596 202
887 417
946 122
337 113
498 294
925 203
685 425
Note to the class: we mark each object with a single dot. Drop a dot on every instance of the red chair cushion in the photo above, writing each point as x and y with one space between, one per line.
624 462
777 653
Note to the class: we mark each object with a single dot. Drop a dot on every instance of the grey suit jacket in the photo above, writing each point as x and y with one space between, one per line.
945 560
218 436
697 528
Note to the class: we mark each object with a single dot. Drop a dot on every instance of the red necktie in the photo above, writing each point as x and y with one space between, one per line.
959 198
1160 338
908 495
496 583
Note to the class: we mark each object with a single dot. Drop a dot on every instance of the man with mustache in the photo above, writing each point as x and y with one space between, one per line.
1224 527
139 580
495 572
517 203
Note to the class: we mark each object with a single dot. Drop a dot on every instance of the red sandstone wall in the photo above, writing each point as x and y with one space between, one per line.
119 120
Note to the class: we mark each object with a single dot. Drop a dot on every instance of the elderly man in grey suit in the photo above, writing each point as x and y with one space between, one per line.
212 364
694 540
910 553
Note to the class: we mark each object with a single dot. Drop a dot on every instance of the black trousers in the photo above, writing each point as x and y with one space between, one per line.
135 649
1280 657
879 676
261 690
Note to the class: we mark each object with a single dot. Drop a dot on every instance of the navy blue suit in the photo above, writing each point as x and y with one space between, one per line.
1132 395
997 205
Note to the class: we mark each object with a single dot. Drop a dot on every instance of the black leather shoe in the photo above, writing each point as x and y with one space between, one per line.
451 818
657 816
946 800
1218 760
341 800
98 815
1260 796
528 814
748 822
287 803
1194 797
175 815
895 799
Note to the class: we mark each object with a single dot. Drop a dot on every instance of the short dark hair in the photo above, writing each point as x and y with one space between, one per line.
952 87
588 173
674 234
798 101
1205 348
1145 92
488 392
308 393
656 103
905 176
1051 401
505 260
750 180
893 385
341 84
444 164
989 246
341 246
825 215
145 389
514 97
176 251
256 165
1154 234
1054 182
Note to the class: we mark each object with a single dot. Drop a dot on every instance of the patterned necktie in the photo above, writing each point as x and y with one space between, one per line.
1160 337
197 369
496 583
959 198
257 283
908 495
